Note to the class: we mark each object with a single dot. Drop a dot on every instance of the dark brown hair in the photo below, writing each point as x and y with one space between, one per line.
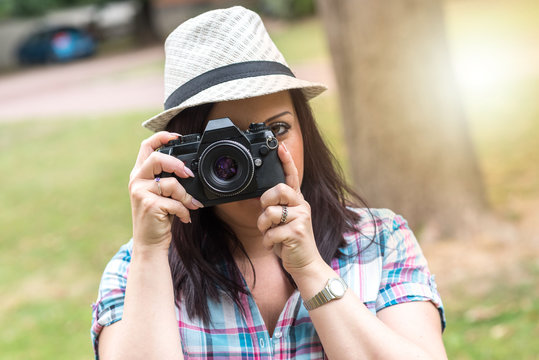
200 257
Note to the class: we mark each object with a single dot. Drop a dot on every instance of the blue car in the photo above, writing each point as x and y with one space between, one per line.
58 44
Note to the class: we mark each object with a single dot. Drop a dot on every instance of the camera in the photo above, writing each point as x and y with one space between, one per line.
229 164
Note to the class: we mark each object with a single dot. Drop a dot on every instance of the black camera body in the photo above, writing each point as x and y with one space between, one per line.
228 164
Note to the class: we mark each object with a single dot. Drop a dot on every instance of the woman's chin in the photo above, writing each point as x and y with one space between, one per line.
252 204
242 209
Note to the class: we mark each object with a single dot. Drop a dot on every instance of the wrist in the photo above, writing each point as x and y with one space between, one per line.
312 278
150 251
308 270
334 289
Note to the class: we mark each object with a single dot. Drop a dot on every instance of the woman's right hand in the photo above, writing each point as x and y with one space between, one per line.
153 212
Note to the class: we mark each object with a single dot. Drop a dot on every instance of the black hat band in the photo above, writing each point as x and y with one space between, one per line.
223 74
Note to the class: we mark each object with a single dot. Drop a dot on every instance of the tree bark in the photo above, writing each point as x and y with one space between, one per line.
144 30
406 132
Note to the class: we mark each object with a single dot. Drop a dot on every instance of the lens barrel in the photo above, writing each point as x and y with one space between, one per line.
226 168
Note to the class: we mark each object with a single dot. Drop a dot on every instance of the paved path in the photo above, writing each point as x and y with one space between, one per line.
100 85
92 86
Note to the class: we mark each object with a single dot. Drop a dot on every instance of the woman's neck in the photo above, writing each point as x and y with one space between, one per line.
251 240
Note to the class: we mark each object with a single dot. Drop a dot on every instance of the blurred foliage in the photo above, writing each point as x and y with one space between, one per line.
290 39
29 8
287 9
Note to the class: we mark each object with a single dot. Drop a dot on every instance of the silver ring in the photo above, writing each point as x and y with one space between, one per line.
157 181
284 214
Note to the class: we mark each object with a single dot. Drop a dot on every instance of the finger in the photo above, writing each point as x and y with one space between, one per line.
271 245
274 237
272 216
280 194
148 146
170 187
173 207
289 168
157 163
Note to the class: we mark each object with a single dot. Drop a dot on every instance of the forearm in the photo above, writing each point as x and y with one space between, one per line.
348 330
148 329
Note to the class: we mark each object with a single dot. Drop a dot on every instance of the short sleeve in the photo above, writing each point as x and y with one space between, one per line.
405 273
110 300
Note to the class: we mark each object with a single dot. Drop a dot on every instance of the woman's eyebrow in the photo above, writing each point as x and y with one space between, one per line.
277 116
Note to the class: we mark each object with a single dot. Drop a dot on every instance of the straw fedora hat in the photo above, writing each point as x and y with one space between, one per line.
223 55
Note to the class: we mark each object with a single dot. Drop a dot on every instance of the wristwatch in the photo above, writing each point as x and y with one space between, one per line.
334 289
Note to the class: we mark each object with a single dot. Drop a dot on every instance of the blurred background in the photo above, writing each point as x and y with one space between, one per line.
77 77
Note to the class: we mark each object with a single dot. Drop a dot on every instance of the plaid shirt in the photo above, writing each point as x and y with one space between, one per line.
389 270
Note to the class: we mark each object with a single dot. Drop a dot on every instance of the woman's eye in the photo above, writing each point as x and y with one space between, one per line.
279 129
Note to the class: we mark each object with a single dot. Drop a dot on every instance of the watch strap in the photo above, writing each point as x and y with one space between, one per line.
324 296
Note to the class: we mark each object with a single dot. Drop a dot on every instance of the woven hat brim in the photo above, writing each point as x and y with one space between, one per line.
236 90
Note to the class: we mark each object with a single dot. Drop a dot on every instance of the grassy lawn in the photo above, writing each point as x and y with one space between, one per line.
65 211
500 324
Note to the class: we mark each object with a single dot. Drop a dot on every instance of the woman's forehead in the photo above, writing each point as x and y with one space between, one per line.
256 109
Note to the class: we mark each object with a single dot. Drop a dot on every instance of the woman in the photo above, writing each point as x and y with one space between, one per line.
295 273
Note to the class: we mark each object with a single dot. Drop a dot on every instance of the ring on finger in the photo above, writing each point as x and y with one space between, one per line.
158 182
284 214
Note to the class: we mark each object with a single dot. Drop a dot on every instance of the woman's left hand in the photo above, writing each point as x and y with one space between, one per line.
292 240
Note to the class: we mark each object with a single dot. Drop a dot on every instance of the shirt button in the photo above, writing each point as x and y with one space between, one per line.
261 342
278 334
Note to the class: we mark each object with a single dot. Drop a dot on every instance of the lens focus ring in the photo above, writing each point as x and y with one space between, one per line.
226 168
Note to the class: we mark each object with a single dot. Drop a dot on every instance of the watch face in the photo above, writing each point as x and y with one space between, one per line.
336 288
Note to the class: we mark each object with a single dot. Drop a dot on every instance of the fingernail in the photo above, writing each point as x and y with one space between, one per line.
188 171
284 146
196 203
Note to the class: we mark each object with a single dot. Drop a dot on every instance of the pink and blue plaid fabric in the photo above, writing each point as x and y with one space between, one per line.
389 270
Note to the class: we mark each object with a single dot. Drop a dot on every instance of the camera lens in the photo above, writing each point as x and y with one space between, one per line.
226 168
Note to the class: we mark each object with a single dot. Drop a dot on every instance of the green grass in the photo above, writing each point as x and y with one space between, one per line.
47 329
65 211
502 324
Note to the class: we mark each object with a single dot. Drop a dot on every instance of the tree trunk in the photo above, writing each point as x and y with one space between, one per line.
406 133
144 30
